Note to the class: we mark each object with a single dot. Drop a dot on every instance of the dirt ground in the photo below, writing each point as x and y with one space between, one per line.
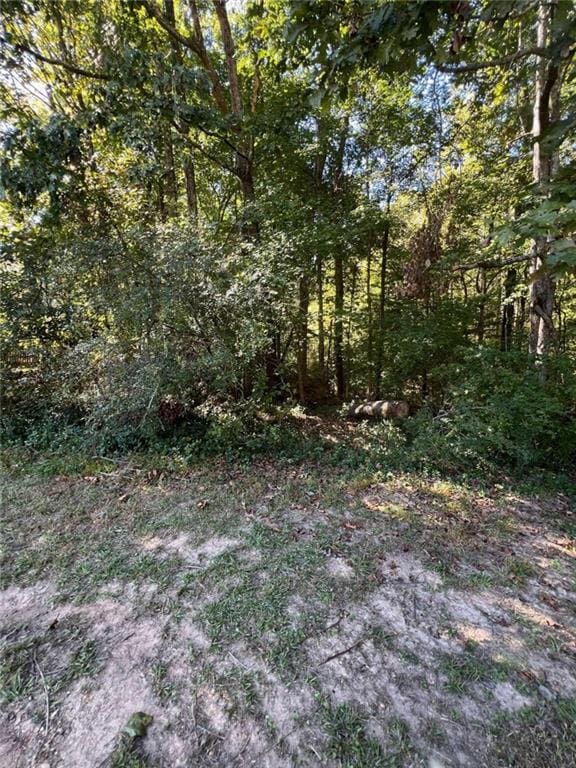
284 616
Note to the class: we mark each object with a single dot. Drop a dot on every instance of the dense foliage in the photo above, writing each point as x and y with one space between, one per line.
209 209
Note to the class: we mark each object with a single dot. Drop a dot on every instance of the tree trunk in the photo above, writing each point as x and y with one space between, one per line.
303 304
481 288
355 270
507 319
229 51
339 324
321 331
168 194
319 165
370 340
170 185
244 162
191 190
245 167
272 361
382 302
520 322
339 276
244 154
542 289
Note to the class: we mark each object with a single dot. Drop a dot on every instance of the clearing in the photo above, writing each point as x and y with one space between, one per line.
283 615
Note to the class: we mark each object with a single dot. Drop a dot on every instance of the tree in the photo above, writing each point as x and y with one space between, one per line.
268 201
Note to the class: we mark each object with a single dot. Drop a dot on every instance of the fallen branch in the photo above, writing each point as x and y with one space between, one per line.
342 652
47 698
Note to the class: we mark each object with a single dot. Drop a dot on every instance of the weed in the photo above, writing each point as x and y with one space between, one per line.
506 526
128 756
17 671
163 688
434 732
443 568
241 689
257 600
449 630
82 663
287 648
382 637
128 752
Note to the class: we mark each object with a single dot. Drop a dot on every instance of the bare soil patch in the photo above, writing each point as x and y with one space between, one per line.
297 619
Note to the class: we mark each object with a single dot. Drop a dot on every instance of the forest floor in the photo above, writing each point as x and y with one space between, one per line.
283 615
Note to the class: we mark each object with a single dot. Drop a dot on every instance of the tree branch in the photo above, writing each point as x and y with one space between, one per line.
228 43
183 129
205 153
194 43
75 69
493 263
155 13
499 62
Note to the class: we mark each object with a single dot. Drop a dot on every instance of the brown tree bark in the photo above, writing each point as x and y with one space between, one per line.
188 165
482 290
245 151
321 326
382 301
244 168
355 271
542 288
229 52
339 325
243 147
319 166
170 185
303 306
370 339
507 317
339 277
191 189
168 189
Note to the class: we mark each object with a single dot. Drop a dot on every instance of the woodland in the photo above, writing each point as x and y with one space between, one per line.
212 210
288 407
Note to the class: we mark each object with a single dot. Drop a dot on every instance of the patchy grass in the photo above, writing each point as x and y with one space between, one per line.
520 570
291 613
481 580
50 661
470 667
163 688
538 737
351 747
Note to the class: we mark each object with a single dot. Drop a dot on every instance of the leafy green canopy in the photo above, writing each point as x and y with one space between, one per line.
207 203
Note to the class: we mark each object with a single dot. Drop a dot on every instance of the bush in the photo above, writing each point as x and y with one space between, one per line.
104 398
498 413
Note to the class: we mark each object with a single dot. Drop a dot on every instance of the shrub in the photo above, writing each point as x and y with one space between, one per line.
498 413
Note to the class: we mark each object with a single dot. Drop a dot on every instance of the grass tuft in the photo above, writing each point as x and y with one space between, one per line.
350 745
540 736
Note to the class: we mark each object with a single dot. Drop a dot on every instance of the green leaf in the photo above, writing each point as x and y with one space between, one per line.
138 725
